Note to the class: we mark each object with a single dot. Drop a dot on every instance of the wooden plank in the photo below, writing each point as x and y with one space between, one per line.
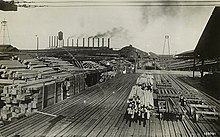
171 129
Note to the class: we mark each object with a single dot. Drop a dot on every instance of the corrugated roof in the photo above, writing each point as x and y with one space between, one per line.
208 46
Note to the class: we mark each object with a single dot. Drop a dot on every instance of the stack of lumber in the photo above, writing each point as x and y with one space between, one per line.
92 65
107 75
8 65
23 98
162 82
140 101
147 80
27 97
34 84
170 108
119 65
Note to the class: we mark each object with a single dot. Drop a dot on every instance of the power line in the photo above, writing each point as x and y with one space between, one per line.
86 3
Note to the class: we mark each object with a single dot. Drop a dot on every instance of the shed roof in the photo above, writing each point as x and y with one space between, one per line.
208 46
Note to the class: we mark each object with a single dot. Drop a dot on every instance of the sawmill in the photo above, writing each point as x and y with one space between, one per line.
77 83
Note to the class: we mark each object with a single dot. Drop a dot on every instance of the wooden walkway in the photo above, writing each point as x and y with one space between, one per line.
100 111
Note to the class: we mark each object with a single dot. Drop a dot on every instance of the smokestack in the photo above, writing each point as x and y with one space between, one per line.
88 42
49 41
57 41
108 42
54 38
83 42
72 42
67 41
77 44
98 42
103 40
93 42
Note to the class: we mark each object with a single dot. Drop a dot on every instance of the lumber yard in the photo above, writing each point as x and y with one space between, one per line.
81 86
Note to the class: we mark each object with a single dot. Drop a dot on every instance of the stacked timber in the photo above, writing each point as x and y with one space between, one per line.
140 101
33 84
170 108
92 65
107 75
23 98
162 82
119 65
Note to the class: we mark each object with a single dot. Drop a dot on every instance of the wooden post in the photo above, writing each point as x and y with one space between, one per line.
194 66
43 96
61 91
74 83
84 83
55 92
202 67
79 83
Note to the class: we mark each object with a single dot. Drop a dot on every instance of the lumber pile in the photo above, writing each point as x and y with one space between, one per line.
92 65
22 99
33 84
170 108
121 66
162 83
140 101
107 75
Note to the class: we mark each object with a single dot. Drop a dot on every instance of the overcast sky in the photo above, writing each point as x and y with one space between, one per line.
144 27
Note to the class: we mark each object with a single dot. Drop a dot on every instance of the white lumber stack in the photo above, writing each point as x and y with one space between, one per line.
140 100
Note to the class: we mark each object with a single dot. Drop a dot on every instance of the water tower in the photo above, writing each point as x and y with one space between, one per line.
60 39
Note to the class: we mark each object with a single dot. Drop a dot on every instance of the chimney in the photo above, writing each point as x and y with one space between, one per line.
108 42
93 42
88 41
49 41
67 41
98 42
57 42
103 42
72 42
83 42
54 38
77 44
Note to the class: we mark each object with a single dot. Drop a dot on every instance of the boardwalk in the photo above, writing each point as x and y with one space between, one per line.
100 111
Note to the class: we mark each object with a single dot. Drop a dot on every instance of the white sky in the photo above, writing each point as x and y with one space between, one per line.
142 26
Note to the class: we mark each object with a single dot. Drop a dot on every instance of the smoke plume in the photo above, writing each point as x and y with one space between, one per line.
119 31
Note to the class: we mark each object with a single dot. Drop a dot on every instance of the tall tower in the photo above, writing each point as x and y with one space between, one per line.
4 34
166 43
166 57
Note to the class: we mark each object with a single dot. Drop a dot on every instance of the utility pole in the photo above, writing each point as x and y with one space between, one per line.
37 44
